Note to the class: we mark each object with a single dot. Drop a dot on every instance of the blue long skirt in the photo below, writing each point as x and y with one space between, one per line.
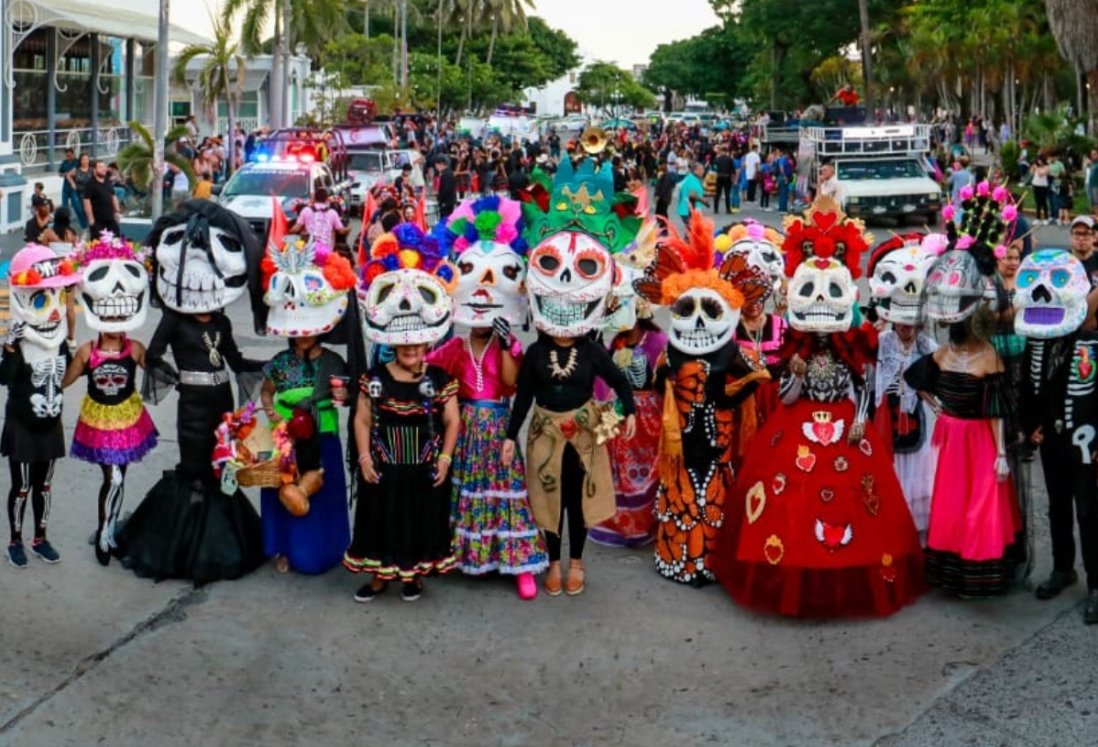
315 542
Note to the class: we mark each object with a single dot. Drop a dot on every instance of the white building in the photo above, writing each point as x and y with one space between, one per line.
558 98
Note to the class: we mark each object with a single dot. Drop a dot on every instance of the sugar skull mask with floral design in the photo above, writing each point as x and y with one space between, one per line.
484 238
1051 294
405 289
898 272
114 285
307 288
37 277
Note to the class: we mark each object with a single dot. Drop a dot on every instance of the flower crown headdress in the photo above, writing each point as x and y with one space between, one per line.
495 219
987 223
296 254
825 232
407 247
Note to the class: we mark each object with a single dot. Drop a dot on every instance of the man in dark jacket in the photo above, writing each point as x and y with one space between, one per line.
447 187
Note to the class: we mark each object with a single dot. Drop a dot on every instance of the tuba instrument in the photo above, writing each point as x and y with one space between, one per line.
594 140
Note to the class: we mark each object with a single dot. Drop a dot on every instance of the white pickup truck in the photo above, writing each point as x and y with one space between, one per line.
881 171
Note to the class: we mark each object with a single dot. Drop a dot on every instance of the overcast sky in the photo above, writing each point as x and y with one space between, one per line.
621 31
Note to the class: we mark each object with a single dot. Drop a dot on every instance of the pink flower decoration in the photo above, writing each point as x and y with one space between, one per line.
983 189
1000 251
967 192
506 233
1010 213
1001 194
756 231
935 243
965 242
949 213
323 251
460 244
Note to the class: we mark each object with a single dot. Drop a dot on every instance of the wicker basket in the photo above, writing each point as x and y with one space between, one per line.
264 474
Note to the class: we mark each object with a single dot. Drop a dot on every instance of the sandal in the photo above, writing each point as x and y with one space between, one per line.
574 585
552 580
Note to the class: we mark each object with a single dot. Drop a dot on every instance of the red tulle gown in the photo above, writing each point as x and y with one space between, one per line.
821 527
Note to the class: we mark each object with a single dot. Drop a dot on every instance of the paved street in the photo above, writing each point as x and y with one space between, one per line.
96 656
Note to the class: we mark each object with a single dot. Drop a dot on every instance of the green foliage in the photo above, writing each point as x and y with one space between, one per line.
1057 130
136 159
355 60
710 65
604 85
1009 153
557 49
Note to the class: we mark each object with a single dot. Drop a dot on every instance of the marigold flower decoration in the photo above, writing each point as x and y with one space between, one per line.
407 247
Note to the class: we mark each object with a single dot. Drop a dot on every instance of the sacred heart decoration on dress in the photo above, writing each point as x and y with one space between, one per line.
833 537
755 502
821 430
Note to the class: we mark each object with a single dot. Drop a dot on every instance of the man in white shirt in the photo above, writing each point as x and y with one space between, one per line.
751 171
828 186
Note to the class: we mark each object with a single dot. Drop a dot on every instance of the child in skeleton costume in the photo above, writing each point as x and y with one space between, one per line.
114 430
636 344
898 269
308 291
705 378
406 420
32 368
493 524
1060 409
975 527
760 333
204 258
822 529
575 234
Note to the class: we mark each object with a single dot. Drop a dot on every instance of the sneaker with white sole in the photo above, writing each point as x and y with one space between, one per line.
17 555
44 550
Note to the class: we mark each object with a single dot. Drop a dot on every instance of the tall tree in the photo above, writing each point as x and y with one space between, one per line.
220 76
505 16
1074 23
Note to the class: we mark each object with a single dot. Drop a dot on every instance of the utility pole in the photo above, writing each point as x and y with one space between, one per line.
404 45
867 71
160 109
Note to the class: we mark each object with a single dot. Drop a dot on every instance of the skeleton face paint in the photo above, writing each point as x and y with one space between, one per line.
954 287
196 279
822 296
489 285
1051 294
897 284
302 300
568 281
702 321
406 307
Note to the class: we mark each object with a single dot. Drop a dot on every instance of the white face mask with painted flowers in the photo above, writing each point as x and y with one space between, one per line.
568 281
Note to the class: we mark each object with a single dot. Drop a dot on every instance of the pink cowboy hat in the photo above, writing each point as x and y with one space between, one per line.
35 266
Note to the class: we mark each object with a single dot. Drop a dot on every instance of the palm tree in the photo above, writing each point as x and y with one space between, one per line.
256 14
505 15
465 12
220 77
137 158
1074 23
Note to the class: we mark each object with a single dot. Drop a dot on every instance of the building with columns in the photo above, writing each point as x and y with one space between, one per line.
74 72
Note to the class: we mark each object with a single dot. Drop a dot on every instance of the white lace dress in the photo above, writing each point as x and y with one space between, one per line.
909 422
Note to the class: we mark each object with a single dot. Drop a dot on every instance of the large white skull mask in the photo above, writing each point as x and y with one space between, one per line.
898 281
569 279
822 295
42 313
115 293
1051 294
954 287
489 285
302 301
702 321
405 307
766 256
624 299
211 278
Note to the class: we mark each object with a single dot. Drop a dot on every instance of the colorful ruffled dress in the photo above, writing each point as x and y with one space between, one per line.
820 526
975 537
402 523
633 463
494 528
315 542
113 427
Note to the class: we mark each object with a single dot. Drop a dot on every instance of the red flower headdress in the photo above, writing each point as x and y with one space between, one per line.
827 232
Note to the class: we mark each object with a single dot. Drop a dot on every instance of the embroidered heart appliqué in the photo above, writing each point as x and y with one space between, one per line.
833 537
823 432
774 550
827 495
777 485
755 502
806 460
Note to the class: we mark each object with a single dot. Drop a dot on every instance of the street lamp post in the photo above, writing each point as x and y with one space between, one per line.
160 109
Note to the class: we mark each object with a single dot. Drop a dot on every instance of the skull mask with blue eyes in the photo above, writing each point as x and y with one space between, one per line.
1050 299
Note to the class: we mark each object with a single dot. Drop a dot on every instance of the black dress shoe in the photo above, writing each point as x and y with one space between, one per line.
1090 612
1056 582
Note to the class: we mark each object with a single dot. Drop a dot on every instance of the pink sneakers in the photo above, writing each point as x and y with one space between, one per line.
527 587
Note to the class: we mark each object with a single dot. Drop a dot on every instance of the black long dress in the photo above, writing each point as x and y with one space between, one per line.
187 527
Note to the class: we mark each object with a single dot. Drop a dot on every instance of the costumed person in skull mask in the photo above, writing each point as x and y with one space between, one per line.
494 529
822 527
636 344
114 430
898 270
705 378
575 231
204 258
33 366
975 532
1059 409
309 290
406 420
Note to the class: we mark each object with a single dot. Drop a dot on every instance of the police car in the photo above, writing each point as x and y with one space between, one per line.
292 179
